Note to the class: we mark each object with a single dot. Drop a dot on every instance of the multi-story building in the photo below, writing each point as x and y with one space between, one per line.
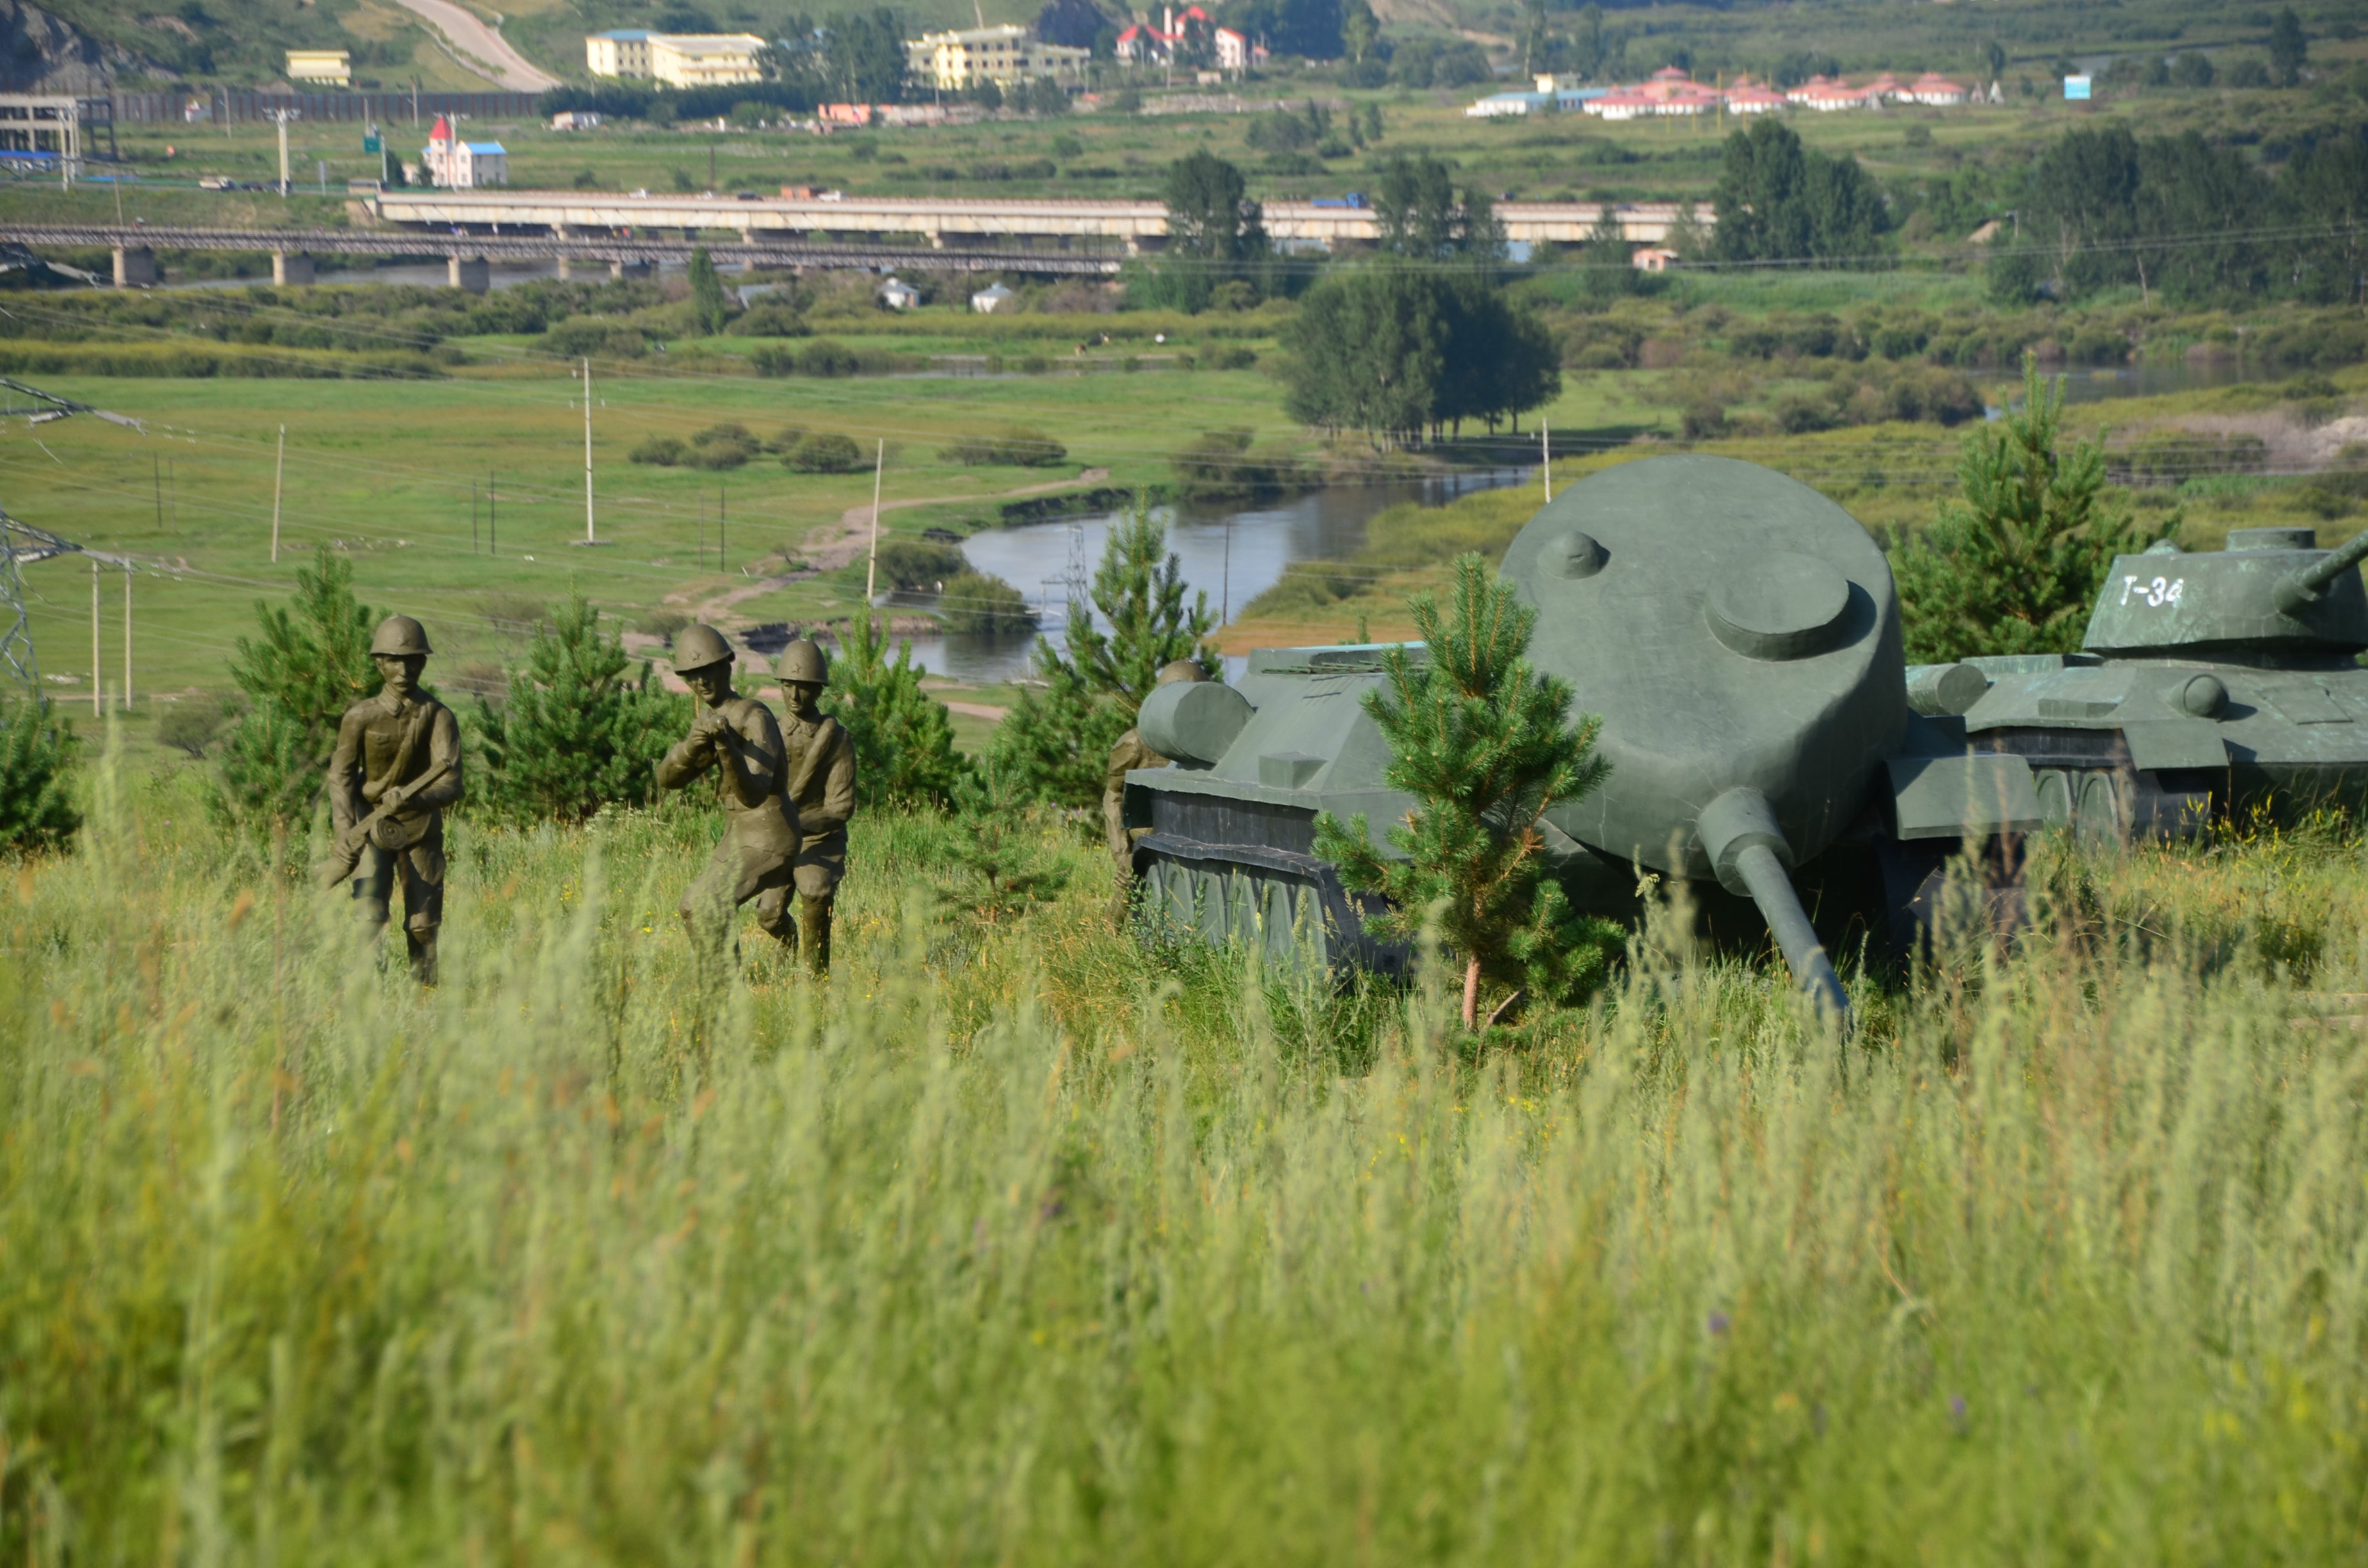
1005 54
680 60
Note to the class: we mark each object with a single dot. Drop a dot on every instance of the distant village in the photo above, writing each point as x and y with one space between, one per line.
1672 92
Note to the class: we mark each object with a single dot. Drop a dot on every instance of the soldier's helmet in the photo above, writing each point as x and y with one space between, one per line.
399 635
699 647
802 663
1180 669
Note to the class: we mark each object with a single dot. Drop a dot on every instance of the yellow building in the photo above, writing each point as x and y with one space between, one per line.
680 60
335 66
951 61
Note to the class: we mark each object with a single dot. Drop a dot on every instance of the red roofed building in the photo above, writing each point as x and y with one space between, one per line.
1745 96
1935 89
1823 94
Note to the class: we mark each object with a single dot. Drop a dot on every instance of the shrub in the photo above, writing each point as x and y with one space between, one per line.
1015 448
979 602
723 446
825 358
662 451
574 735
190 727
37 810
663 623
914 564
768 318
595 337
826 451
1704 420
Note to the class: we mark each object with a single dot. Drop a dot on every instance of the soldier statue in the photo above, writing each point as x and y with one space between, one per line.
1128 755
822 782
396 767
737 737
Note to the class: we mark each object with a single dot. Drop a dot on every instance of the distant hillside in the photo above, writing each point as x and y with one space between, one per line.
41 52
243 42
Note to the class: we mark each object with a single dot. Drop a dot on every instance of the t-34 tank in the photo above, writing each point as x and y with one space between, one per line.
2208 683
1739 635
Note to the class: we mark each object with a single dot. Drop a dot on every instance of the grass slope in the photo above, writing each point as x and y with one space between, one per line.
1017 1242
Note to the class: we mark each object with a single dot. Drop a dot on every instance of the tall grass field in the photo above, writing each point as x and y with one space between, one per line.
1024 1242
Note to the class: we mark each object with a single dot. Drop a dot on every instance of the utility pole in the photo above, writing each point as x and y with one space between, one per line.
719 563
472 517
492 512
282 116
872 570
1545 449
590 537
97 686
279 472
127 634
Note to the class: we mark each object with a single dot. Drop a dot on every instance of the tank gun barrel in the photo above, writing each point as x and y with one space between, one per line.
1747 850
2302 587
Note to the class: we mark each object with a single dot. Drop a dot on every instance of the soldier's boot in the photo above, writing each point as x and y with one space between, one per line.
422 946
813 932
373 893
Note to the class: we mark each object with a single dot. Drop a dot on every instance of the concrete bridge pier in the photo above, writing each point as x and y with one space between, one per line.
135 267
621 270
289 271
469 272
565 270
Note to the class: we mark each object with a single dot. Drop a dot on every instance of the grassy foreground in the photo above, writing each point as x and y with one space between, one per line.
1019 1244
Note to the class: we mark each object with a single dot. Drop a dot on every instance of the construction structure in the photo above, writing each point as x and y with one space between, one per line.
22 545
51 134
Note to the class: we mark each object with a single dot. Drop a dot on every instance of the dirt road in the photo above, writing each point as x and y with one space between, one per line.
482 48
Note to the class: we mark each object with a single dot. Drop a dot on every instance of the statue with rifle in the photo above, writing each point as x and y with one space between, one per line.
735 737
396 767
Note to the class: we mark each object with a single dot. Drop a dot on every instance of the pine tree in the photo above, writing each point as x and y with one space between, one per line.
1478 737
575 734
37 809
1001 864
309 662
707 301
2017 568
904 737
1052 744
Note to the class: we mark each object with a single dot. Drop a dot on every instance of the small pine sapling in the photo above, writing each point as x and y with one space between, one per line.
575 734
1002 867
308 663
1055 743
1480 739
37 809
903 737
2017 568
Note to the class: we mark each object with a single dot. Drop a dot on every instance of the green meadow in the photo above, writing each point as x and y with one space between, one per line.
1019 1241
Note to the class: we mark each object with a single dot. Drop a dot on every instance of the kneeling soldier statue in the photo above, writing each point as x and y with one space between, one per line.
737 737
822 782
397 766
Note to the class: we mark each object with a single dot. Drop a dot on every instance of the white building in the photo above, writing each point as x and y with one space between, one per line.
1237 51
1006 55
988 301
455 165
899 295
574 119
333 66
680 60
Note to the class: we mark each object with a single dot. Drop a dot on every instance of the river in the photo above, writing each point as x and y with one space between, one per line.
1230 554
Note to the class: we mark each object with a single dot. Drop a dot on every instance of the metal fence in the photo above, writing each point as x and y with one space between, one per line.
218 105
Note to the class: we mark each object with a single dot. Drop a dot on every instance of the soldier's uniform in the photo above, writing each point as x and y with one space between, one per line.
404 744
737 737
1131 752
822 782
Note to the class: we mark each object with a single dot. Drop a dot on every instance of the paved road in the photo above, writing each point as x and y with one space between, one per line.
482 47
